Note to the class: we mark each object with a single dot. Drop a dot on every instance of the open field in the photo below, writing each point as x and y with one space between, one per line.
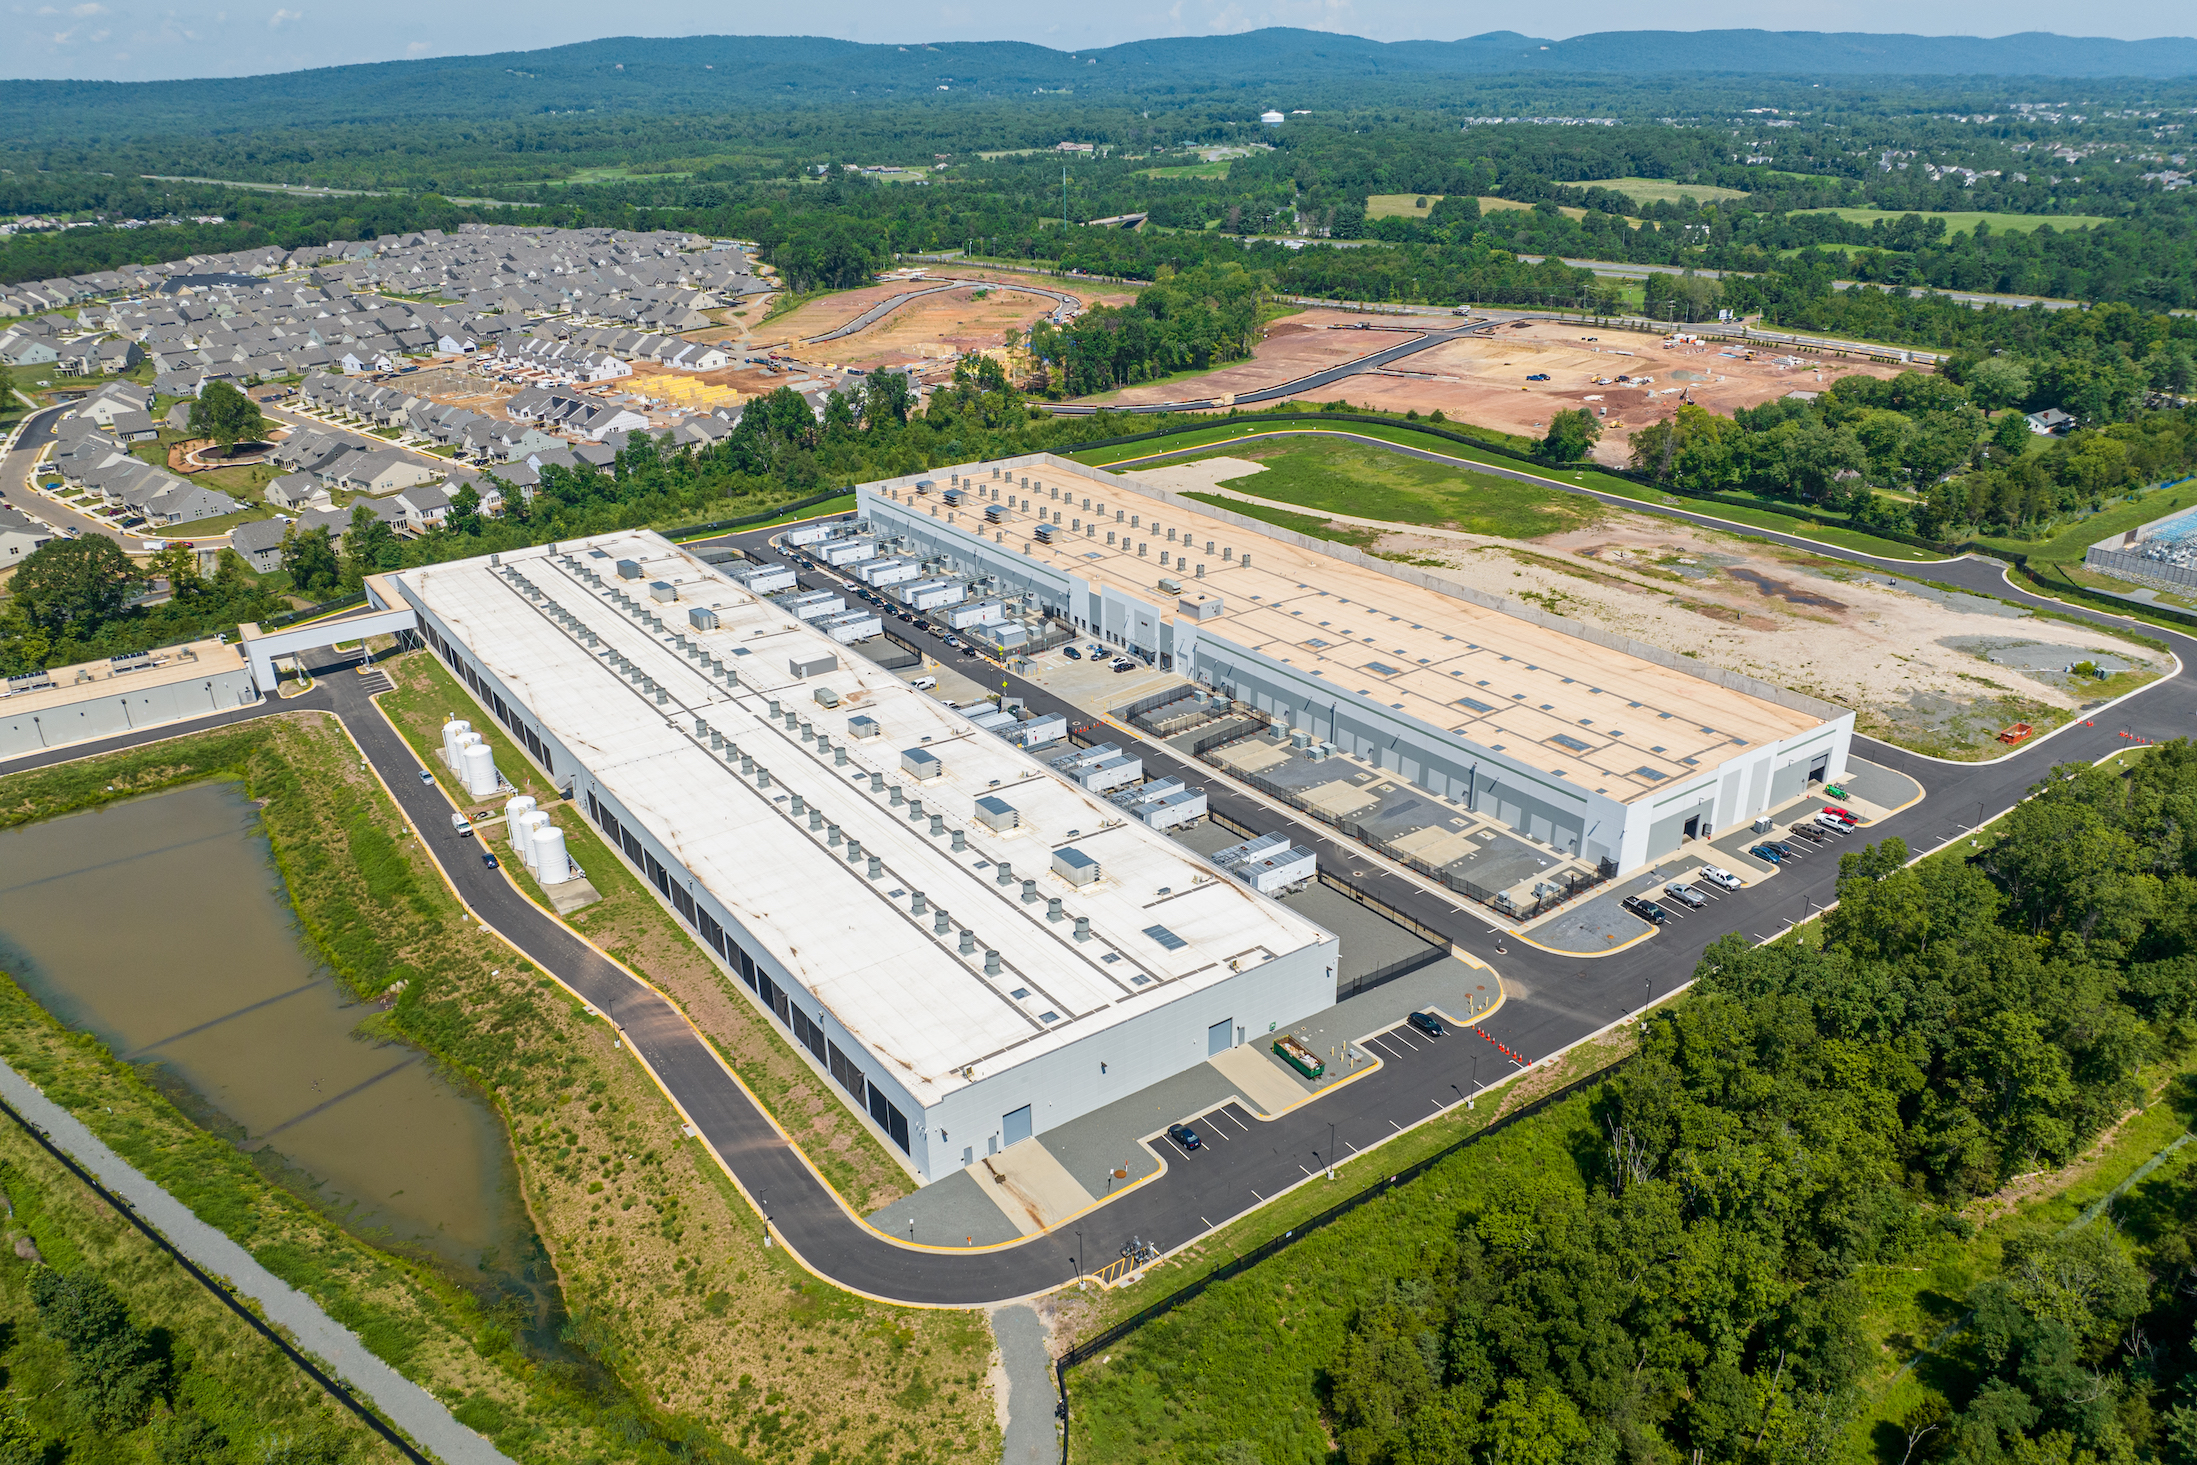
1406 206
1965 223
1661 190
1936 672
1190 170
1362 480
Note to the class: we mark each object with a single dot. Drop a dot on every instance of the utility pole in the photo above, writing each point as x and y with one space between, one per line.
1064 205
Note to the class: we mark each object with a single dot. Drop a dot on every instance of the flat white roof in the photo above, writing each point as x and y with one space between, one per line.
1163 924
1609 721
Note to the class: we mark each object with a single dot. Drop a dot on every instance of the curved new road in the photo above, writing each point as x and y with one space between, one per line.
1551 1000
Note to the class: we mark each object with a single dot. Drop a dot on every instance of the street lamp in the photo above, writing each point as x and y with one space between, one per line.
1475 1078
1079 1258
1331 1149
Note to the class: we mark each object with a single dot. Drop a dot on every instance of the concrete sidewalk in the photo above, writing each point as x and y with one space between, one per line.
415 1411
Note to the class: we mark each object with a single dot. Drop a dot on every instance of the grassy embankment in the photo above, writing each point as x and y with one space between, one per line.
684 1331
220 1382
633 927
1859 541
1247 1360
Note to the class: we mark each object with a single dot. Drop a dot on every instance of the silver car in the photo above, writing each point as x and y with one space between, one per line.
1685 894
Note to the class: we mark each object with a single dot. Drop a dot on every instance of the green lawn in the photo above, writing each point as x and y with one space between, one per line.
2067 547
1661 190
1957 222
1372 482
1307 524
1136 454
1189 170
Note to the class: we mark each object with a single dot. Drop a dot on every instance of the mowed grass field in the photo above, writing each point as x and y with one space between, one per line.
1661 190
1374 483
1406 206
1189 170
1965 223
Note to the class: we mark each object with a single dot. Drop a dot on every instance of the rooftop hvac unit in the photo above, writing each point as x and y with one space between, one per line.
702 618
863 729
662 590
921 763
1044 534
997 814
812 665
629 569
1075 867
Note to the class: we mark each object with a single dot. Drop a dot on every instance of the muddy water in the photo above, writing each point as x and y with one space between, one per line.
160 925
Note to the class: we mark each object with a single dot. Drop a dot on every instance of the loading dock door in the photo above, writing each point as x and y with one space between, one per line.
1015 1126
1216 1036
1819 768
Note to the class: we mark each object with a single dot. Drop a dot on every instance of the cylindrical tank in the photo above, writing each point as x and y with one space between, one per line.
551 865
450 731
522 834
477 766
513 807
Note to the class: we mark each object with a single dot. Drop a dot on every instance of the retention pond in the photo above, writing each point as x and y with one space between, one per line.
161 926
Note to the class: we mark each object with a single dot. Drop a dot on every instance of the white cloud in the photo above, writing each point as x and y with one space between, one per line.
276 21
417 48
82 12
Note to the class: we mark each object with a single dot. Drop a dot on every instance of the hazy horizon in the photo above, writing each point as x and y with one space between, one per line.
115 40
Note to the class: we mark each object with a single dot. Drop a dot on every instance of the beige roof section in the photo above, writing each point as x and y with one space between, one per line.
1602 718
72 684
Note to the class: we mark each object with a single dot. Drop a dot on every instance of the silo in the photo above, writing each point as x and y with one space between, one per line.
512 809
522 834
478 768
450 731
551 865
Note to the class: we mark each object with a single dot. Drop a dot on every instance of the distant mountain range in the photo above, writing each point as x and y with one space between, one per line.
717 72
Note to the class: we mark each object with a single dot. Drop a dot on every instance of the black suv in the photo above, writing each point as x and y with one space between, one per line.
1428 1023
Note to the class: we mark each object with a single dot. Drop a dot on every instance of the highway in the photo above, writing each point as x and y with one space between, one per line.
1551 999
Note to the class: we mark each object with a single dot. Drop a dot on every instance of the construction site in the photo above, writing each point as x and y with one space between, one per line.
1515 377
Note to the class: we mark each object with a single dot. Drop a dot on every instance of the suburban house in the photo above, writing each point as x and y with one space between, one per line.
19 536
260 543
424 507
2049 421
379 473
295 491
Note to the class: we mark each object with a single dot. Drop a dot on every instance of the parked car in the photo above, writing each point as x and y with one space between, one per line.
1122 664
1721 878
1647 910
1783 848
463 825
924 684
1838 813
1685 894
1805 830
1767 852
1185 1136
488 858
1071 653
955 642
1539 376
1832 822
1428 1023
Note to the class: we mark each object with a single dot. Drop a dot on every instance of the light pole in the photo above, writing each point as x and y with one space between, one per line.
1475 1078
1079 1258
1331 1149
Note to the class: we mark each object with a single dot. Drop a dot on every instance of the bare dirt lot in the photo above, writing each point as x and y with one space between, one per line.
1294 346
460 388
1484 380
936 327
1941 673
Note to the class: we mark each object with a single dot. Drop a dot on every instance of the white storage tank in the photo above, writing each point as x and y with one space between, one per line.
522 834
512 809
450 732
477 766
552 866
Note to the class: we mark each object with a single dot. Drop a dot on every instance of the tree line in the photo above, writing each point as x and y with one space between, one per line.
1814 1116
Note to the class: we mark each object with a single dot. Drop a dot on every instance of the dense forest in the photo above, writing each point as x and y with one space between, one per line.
1812 1113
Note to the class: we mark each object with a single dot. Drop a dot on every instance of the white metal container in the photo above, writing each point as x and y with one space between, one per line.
450 731
523 831
477 766
512 809
552 866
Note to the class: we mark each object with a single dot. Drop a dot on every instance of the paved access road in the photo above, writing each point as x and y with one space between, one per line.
1551 1000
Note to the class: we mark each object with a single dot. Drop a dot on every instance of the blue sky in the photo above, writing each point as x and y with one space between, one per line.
141 40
